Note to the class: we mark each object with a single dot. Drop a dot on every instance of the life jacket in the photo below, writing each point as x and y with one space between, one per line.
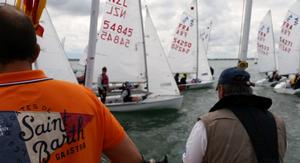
127 98
104 80
241 129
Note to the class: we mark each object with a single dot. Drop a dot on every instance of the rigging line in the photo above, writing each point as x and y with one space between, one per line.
241 34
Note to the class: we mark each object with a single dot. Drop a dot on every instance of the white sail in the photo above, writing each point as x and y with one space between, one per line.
161 80
120 43
204 73
265 45
52 58
183 52
289 42
205 36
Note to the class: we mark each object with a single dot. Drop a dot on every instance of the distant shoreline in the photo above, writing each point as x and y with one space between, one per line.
233 59
211 59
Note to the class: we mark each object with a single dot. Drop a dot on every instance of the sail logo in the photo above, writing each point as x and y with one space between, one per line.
188 20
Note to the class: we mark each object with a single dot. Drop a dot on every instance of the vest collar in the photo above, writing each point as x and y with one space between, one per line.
243 100
22 77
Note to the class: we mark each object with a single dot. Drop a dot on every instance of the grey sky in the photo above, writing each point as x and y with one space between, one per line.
71 19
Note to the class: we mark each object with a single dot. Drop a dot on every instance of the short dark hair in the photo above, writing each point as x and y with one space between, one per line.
17 35
238 89
104 69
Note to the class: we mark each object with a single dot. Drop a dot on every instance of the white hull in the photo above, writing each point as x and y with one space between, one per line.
201 85
151 103
265 83
284 88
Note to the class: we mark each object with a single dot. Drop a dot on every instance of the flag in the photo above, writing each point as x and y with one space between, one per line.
33 9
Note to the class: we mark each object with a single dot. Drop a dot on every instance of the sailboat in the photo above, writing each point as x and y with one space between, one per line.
122 49
52 59
267 59
187 53
289 49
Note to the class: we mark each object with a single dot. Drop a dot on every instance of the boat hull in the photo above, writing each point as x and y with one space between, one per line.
265 83
192 86
151 103
284 88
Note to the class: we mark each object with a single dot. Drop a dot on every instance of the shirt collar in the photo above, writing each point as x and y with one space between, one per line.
22 76
243 101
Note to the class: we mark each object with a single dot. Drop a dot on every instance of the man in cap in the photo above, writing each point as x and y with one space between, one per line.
46 120
239 128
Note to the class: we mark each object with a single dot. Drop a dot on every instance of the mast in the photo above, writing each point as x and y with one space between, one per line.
144 46
197 41
245 32
92 43
274 51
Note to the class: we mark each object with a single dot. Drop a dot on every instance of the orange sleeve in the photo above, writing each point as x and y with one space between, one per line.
113 131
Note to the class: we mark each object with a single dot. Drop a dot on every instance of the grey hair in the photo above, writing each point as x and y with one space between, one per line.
237 89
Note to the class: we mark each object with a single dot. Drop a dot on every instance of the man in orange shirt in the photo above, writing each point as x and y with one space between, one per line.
46 120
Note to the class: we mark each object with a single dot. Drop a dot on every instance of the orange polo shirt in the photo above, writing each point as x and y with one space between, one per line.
46 120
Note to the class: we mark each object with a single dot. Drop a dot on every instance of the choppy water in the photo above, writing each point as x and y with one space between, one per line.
165 132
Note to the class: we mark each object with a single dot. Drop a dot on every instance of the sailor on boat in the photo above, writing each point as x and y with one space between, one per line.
176 78
103 85
295 82
126 93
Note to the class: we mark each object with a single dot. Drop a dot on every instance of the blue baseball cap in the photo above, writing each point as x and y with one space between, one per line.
233 76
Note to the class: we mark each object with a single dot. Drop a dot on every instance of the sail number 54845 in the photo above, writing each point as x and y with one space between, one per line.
109 37
107 25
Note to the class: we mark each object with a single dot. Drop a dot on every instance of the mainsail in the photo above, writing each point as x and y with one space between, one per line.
266 45
120 45
289 42
52 58
205 36
185 56
183 53
161 80
204 73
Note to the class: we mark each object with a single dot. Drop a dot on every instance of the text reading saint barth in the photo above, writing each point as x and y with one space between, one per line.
52 127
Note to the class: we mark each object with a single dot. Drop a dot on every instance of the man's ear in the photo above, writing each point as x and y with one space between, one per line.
220 91
36 53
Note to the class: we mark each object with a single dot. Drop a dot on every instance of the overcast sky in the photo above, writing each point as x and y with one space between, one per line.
71 19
